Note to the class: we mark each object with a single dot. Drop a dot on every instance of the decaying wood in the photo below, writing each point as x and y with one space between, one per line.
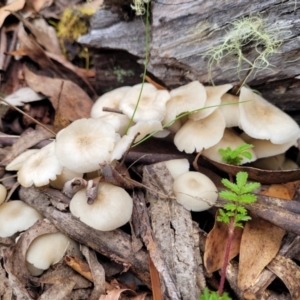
113 244
142 227
173 231
182 32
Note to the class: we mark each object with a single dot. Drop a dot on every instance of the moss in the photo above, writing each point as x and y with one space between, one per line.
252 31
120 73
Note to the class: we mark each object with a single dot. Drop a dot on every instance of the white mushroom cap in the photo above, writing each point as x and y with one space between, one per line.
195 191
16 216
185 98
230 112
177 166
110 99
121 147
111 209
270 163
175 126
3 193
65 176
118 121
46 250
264 148
201 134
16 164
288 164
84 144
229 139
144 128
40 167
213 98
262 120
152 105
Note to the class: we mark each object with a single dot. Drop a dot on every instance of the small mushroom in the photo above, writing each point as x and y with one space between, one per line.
84 144
111 209
40 167
195 191
262 120
229 139
185 98
16 216
177 166
46 250
62 178
144 128
213 98
201 134
270 163
230 110
16 164
152 104
3 193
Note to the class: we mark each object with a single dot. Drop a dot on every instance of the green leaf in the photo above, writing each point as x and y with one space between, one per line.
249 187
241 179
230 185
228 195
247 198
247 154
241 210
230 207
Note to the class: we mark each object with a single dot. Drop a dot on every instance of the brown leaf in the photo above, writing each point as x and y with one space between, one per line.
260 243
5 10
155 281
262 176
74 102
216 243
289 272
37 5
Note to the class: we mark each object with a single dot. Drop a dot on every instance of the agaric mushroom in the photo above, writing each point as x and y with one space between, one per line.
152 105
111 209
16 164
16 216
201 134
3 193
264 148
230 110
213 98
62 178
84 144
262 120
40 167
110 99
46 250
270 163
144 128
229 139
185 98
195 191
177 166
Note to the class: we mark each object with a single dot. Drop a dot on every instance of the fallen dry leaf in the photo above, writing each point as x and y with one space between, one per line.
73 101
37 5
6 10
260 243
22 96
289 272
155 281
216 243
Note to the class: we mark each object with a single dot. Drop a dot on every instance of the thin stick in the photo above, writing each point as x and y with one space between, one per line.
113 110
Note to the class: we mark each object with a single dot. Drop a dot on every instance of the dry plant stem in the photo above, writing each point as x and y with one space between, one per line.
115 244
31 118
113 110
226 257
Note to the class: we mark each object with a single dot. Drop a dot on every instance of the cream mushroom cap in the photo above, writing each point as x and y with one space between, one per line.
110 99
185 98
177 166
65 176
213 98
3 193
16 164
152 105
230 111
229 139
84 144
262 120
16 216
40 167
201 134
195 191
46 250
111 209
